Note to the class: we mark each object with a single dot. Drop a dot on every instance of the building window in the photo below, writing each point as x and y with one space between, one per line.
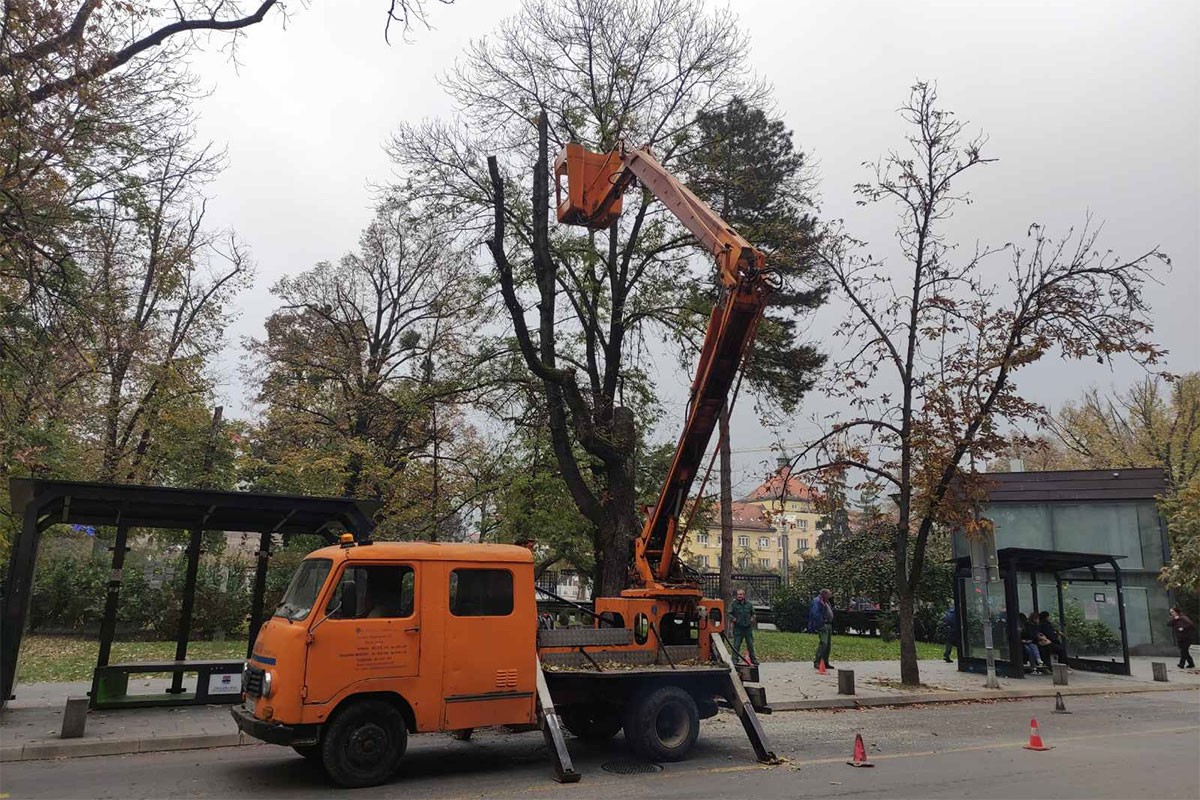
706 561
803 545
743 541
779 542
803 524
765 563
763 543
481 592
743 563
702 538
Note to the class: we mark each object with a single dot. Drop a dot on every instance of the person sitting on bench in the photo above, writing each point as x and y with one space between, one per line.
1029 648
1049 640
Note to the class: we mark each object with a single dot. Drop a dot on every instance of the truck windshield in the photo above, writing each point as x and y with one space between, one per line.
302 592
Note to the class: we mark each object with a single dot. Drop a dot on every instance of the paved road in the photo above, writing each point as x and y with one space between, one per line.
1115 746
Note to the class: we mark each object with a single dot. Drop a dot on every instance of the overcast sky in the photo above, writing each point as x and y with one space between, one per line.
1090 107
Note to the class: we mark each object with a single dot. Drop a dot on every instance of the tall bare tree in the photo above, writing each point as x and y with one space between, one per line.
933 347
598 73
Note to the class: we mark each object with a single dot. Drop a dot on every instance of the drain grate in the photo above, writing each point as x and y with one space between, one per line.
632 767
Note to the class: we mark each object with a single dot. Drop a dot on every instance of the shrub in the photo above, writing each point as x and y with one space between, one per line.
790 608
1087 636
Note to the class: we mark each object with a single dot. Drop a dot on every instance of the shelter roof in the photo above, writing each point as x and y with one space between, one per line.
88 503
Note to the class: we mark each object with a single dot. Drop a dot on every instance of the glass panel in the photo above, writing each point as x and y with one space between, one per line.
302 591
1099 528
1093 618
1021 526
481 592
973 641
381 592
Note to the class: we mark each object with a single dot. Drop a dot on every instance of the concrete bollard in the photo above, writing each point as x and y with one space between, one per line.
845 681
74 718
1160 670
1060 674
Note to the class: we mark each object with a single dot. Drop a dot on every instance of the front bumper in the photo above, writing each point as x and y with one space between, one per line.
275 732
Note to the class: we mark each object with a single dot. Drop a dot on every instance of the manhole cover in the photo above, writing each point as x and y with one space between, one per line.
632 767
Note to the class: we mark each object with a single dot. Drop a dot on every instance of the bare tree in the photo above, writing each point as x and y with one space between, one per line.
599 73
933 348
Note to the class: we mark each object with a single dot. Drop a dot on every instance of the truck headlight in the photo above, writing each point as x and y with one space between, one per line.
266 684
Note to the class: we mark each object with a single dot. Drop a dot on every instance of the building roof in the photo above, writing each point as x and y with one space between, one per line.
1075 485
781 482
746 517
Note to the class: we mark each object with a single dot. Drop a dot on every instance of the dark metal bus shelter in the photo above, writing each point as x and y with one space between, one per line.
1020 569
43 503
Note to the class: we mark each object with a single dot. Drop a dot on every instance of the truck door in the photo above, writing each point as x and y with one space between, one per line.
381 640
490 649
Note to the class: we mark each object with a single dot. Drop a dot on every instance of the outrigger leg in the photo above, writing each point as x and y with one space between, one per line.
564 770
735 693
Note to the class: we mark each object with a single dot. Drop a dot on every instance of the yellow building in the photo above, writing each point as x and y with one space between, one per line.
781 506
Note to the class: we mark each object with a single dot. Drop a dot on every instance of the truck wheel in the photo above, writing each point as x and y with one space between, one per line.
662 724
363 744
310 751
592 722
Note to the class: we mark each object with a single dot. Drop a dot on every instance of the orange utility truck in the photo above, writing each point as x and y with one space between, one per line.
374 641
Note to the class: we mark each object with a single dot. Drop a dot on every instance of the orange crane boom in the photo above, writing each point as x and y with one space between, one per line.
596 183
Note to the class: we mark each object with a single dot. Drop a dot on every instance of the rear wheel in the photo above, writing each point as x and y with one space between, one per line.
662 724
592 722
364 743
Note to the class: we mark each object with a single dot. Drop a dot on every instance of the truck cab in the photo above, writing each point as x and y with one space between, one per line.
372 642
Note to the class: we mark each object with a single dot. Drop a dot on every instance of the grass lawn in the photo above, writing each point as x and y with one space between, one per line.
66 658
779 646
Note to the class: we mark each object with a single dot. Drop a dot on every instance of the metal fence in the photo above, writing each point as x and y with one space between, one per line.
760 589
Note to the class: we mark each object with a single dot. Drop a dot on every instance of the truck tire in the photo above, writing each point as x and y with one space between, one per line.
363 744
592 722
310 751
662 724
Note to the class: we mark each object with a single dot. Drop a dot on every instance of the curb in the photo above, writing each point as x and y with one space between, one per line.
914 698
81 748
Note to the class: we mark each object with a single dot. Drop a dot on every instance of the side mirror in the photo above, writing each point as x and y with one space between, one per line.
349 600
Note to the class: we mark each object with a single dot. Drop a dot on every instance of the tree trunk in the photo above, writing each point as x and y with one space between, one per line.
910 672
726 467
620 523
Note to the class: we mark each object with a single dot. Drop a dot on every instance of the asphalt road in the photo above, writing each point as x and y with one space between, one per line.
1120 746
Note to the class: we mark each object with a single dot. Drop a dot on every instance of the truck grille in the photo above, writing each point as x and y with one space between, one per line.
252 681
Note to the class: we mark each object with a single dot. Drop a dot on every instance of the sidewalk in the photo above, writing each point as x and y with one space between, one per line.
30 725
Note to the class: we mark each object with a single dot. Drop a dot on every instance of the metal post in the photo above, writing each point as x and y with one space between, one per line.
1062 616
108 625
16 600
991 683
260 587
185 611
1121 615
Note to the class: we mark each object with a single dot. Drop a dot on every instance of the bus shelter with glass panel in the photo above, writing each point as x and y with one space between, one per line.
1082 592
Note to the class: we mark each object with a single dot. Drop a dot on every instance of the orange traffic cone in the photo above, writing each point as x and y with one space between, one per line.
1035 738
860 753
821 669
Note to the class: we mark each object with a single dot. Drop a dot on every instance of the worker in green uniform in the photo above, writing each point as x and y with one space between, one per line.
741 614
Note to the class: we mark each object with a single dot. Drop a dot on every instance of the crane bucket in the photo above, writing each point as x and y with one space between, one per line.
589 197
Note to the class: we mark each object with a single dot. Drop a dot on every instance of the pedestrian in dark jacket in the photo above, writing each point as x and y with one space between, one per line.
820 622
1049 640
741 614
950 625
1185 637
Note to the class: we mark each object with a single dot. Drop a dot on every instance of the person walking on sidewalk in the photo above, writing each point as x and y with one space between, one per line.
950 627
741 612
820 622
1185 637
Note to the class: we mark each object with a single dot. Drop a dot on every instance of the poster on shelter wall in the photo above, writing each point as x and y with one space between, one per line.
225 683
